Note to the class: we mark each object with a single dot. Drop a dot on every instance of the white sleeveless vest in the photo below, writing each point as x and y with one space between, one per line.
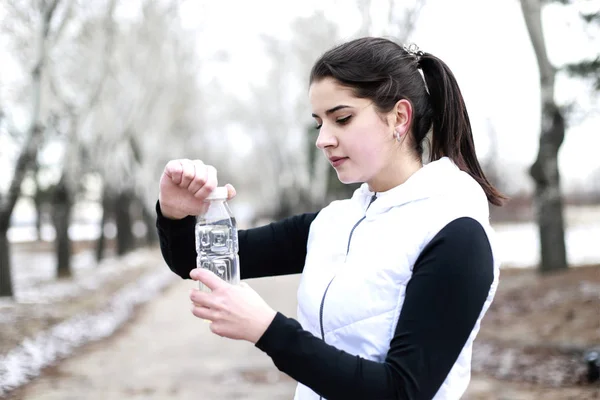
360 258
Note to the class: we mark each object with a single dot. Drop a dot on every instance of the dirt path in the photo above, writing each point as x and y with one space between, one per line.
166 353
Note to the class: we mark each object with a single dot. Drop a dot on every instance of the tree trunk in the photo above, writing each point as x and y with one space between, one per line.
6 289
29 151
7 205
125 239
37 199
150 222
62 206
548 199
101 243
38 222
545 172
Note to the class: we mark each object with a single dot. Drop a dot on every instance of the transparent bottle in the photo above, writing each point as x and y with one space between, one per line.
217 239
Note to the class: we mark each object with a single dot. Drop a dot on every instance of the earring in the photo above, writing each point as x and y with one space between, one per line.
397 135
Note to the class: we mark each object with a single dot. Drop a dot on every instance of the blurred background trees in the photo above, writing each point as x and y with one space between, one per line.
96 97
545 172
113 95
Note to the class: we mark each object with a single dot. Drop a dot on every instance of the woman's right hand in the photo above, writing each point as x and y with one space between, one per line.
185 185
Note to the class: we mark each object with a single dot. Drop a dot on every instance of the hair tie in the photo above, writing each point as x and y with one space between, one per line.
414 51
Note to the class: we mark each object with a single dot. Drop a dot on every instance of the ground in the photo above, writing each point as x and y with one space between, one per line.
532 340
529 346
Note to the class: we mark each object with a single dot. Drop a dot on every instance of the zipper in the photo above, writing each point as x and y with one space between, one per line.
329 284
347 251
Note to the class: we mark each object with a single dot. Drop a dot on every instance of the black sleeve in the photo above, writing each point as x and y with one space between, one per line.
275 249
444 298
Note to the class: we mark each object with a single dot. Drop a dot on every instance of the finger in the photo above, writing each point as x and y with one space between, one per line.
201 174
217 329
204 313
212 281
188 173
202 299
210 183
231 192
174 171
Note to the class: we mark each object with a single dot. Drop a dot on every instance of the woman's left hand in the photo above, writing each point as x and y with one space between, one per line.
235 311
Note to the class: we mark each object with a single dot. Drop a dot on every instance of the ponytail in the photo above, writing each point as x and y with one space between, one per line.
385 72
452 134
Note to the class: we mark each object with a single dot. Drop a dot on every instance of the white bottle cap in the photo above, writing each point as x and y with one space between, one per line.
220 193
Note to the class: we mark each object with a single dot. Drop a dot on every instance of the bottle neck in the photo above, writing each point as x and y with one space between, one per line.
217 210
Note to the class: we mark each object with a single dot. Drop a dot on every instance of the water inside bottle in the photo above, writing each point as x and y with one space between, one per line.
216 248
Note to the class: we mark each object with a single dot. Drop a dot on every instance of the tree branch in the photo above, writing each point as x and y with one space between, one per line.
29 150
533 21
63 23
108 47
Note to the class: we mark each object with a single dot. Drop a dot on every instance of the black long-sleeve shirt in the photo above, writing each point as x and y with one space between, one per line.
444 298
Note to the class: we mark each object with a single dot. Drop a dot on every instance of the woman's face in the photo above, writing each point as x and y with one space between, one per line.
358 141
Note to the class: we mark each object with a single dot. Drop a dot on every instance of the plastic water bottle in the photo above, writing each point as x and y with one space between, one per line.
217 239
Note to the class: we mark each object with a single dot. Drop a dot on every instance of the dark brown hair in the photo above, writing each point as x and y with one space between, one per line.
384 72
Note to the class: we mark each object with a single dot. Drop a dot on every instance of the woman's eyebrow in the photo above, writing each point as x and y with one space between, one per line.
332 110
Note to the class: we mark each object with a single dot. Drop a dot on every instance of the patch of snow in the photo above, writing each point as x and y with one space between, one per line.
520 248
33 354
35 282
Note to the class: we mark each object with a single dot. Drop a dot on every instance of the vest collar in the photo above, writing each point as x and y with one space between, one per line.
438 178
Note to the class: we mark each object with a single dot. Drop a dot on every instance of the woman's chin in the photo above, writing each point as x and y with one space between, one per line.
347 179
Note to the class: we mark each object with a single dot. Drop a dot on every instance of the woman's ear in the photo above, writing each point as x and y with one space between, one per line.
402 117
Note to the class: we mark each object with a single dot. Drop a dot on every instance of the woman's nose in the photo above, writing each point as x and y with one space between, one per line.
325 138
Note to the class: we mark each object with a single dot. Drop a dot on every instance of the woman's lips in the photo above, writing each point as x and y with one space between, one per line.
337 161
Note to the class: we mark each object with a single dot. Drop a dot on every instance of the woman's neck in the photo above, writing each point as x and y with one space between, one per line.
395 174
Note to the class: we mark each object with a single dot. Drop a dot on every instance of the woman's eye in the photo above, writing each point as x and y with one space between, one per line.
343 120
340 121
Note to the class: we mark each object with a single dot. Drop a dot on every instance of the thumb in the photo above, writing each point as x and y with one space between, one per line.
207 277
231 192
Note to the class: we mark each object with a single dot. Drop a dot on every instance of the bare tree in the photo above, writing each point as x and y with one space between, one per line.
145 116
491 164
46 11
297 179
402 18
89 44
364 7
545 171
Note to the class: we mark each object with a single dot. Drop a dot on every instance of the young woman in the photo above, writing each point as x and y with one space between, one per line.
395 280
